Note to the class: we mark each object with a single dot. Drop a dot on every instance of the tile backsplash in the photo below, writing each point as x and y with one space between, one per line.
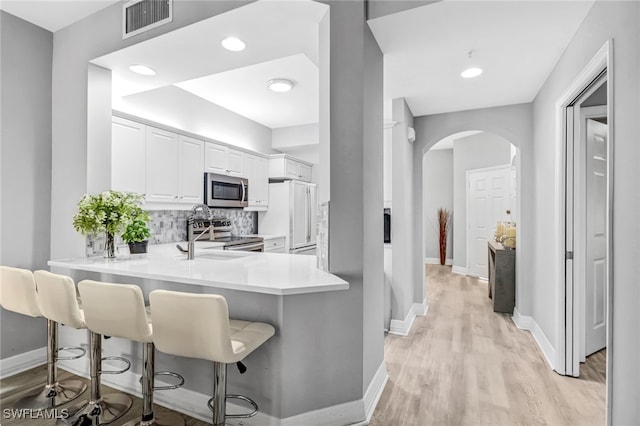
168 226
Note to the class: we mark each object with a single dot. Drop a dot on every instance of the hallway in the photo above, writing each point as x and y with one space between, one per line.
463 364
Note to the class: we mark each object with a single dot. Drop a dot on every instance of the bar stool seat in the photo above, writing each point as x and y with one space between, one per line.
198 326
19 293
118 310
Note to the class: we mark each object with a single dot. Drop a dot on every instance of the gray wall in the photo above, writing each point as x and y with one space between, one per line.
355 225
512 122
25 172
404 280
620 22
437 184
472 152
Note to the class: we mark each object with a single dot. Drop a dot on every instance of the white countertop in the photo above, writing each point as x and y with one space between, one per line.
269 273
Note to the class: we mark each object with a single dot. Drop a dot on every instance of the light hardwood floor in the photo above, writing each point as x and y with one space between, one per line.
463 364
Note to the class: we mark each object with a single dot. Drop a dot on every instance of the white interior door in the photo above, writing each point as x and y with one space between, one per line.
596 238
487 200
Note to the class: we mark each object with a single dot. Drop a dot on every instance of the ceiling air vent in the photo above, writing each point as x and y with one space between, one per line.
142 15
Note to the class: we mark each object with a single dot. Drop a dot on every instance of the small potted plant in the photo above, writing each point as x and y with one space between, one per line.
137 232
109 212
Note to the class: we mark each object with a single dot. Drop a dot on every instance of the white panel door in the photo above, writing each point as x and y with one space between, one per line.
127 156
488 200
596 244
299 224
190 176
162 167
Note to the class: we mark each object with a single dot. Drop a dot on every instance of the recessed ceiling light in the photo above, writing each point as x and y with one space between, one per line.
471 72
142 69
233 44
280 84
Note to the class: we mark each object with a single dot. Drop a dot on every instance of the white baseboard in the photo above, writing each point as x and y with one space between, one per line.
526 322
459 270
402 327
194 404
374 391
22 362
436 261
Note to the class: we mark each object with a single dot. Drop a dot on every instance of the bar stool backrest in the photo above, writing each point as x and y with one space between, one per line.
191 325
115 310
18 291
58 299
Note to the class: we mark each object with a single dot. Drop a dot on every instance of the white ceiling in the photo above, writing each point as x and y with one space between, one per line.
447 143
517 43
54 14
244 91
281 40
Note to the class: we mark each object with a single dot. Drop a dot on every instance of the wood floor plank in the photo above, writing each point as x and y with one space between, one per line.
475 367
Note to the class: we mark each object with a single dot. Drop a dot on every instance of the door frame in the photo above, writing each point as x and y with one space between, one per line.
566 344
468 216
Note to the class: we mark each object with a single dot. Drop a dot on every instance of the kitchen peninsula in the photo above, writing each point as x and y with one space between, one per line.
292 374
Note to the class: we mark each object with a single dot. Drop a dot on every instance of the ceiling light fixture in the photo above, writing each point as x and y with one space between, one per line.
233 44
280 85
472 71
142 69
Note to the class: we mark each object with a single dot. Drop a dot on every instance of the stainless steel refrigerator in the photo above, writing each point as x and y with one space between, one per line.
292 211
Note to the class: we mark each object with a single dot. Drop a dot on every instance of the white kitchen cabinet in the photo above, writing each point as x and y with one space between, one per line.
174 167
162 167
257 171
275 245
190 180
128 165
223 160
282 166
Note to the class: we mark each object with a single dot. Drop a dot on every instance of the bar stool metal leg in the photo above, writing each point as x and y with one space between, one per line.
54 393
100 410
149 418
219 393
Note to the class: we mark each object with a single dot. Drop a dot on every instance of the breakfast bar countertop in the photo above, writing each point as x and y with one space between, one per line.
267 273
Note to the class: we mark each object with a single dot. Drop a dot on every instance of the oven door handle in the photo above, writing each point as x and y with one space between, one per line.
244 192
247 247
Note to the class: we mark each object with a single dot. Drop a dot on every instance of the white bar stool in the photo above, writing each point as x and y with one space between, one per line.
118 310
18 293
198 326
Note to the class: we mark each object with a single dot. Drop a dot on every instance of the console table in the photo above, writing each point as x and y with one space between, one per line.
502 277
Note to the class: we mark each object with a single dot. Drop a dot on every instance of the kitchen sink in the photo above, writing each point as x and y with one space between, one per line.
223 255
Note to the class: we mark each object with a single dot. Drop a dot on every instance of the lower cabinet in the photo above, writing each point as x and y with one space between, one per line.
275 245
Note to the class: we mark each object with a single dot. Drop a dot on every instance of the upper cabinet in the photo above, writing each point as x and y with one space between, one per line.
257 171
282 166
223 160
190 180
128 155
162 165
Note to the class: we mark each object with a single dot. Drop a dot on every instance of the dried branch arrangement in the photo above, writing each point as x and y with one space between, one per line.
443 220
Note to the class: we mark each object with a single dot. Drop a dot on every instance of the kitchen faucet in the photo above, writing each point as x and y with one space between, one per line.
193 217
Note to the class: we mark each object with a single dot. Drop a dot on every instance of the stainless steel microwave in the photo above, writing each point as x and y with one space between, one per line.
225 191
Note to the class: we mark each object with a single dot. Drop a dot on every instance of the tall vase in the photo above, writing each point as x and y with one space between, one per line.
109 246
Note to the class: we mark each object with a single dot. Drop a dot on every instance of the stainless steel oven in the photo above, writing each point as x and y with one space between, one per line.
225 191
245 244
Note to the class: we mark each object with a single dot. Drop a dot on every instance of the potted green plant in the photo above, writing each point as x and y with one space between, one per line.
109 212
137 233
